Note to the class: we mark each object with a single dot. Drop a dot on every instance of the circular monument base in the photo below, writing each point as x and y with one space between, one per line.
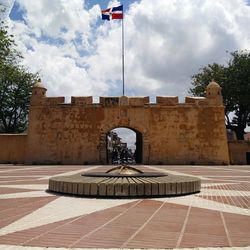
124 185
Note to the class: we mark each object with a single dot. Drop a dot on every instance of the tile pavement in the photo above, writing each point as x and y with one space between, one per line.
216 218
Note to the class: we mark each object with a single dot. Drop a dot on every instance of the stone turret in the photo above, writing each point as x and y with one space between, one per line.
38 93
213 93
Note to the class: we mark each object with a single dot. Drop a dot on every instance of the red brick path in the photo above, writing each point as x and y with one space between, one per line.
219 216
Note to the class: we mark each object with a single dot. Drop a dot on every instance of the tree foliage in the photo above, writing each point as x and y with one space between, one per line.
234 78
15 86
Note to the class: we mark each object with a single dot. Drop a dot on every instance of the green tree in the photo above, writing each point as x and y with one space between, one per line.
15 86
234 78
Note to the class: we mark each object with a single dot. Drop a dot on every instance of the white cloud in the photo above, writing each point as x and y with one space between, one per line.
173 39
166 42
5 8
128 136
59 18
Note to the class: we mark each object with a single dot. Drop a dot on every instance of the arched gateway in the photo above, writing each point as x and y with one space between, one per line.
138 154
168 132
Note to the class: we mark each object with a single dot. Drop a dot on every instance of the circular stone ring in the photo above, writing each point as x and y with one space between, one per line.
124 185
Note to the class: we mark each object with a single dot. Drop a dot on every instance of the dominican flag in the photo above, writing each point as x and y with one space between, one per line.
113 13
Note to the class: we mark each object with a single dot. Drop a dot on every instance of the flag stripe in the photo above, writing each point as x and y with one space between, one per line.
106 11
117 16
119 8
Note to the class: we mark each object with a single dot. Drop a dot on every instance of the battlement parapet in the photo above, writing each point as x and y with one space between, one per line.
119 101
124 101
213 98
138 101
52 101
109 101
196 100
167 100
81 100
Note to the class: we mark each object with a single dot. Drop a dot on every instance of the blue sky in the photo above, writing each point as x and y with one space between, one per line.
105 3
17 14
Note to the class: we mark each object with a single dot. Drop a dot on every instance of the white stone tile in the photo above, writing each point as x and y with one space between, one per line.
195 201
57 248
70 172
25 195
223 192
216 184
9 247
28 186
61 209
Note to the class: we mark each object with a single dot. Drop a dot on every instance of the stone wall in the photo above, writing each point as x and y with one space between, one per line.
238 150
12 148
169 132
188 134
172 133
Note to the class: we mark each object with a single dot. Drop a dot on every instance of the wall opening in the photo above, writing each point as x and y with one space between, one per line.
124 146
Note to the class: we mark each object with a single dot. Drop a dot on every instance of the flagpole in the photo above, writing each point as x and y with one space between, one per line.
123 84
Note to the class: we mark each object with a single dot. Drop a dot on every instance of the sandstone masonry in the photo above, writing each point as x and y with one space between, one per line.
168 132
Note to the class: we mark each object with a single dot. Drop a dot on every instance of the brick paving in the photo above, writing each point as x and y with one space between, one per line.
33 219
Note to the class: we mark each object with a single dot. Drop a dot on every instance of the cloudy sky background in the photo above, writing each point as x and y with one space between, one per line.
166 42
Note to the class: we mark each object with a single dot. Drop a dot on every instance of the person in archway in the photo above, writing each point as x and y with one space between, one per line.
114 156
136 156
126 155
122 155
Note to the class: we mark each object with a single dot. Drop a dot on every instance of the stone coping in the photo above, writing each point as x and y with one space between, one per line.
124 187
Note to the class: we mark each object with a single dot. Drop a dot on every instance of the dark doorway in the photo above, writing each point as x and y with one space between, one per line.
248 158
124 146
138 150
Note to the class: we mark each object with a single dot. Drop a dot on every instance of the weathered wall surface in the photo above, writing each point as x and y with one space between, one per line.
64 135
172 134
12 148
188 135
238 150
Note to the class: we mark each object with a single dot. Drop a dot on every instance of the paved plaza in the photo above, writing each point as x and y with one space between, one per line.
32 218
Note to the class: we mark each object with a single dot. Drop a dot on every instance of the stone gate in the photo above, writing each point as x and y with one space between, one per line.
168 132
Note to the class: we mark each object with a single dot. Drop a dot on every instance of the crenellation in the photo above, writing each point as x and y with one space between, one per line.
138 101
81 100
124 101
161 101
202 101
109 101
52 101
167 100
196 100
